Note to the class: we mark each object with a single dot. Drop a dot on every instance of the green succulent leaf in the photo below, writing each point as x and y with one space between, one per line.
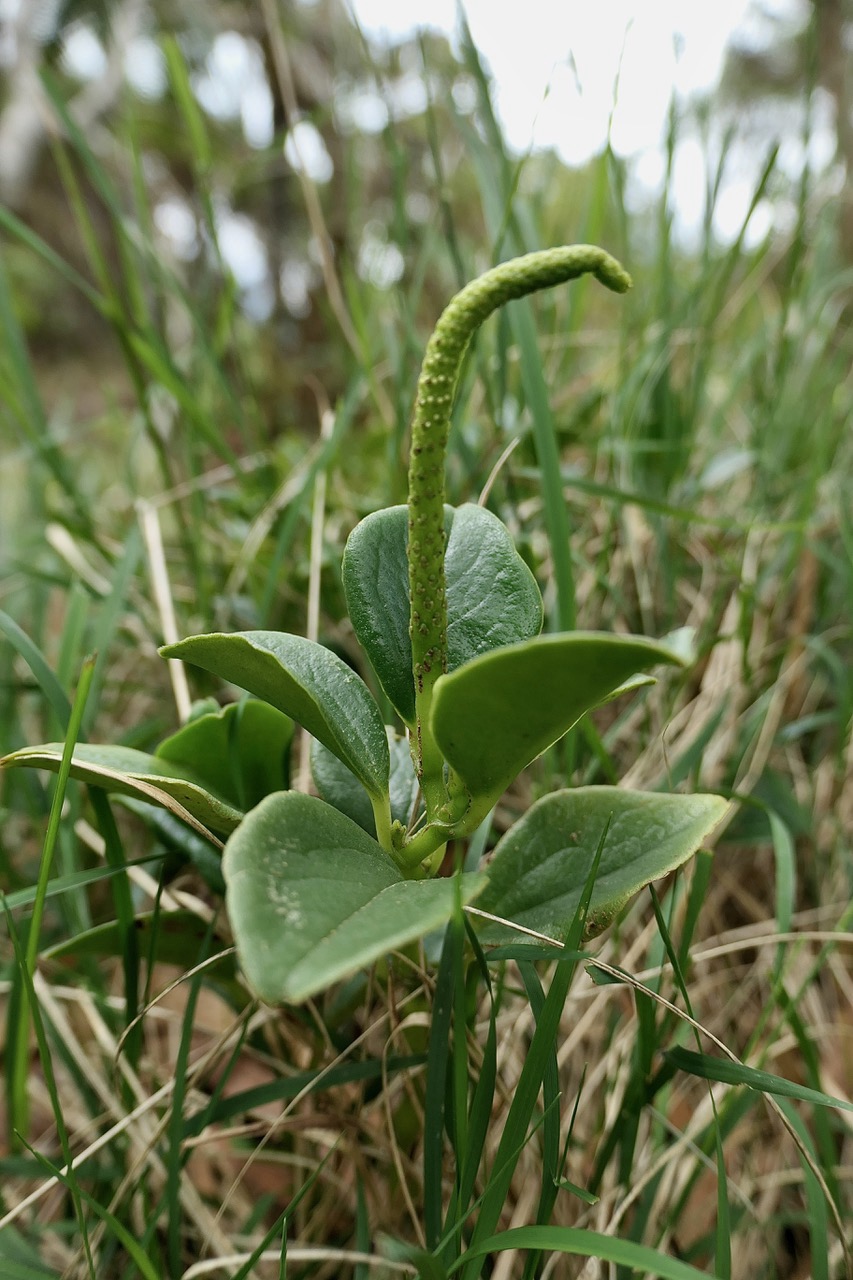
492 597
539 867
241 751
305 681
127 772
312 898
493 716
340 788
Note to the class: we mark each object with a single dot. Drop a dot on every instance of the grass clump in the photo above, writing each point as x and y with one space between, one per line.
668 1097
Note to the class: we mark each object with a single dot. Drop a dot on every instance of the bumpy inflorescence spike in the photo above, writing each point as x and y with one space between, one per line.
430 426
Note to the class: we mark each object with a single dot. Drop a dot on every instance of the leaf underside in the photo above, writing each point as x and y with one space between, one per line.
496 714
307 682
125 771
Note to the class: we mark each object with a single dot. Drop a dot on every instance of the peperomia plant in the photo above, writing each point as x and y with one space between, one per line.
449 616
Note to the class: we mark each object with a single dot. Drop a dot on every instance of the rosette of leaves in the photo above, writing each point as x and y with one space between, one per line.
449 616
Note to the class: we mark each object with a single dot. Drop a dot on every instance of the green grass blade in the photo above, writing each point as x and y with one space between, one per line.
187 105
555 510
784 855
279 1227
723 1251
20 231
109 619
818 1215
20 1271
31 1013
584 1244
439 1058
318 1080
344 413
75 881
20 1260
532 1073
175 1155
362 1229
32 655
124 915
482 1099
137 1254
459 1063
703 863
529 951
737 1073
551 1154
426 1265
17 1034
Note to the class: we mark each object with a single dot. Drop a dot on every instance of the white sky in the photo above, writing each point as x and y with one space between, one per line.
569 71
556 71
562 78
555 74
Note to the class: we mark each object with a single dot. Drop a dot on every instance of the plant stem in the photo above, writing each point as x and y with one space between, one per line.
382 819
430 428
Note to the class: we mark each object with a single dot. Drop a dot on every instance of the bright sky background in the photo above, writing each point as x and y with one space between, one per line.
563 71
556 70
561 79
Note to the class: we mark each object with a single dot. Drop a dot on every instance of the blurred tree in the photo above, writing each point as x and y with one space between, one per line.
788 54
31 39
333 185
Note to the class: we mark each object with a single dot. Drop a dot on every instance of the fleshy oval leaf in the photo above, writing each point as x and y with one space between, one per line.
340 788
128 772
539 868
312 898
492 597
241 751
496 714
307 682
